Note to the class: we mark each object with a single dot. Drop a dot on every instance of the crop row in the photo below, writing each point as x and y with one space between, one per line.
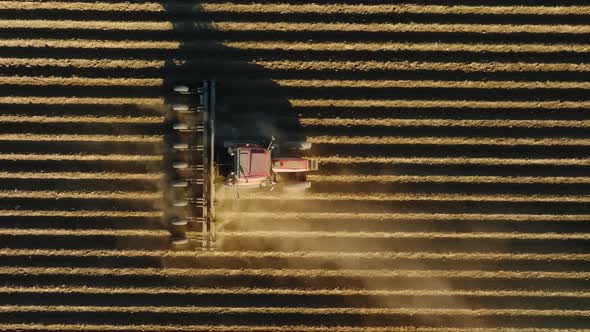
83 232
79 213
404 235
393 9
448 178
318 311
391 140
79 157
96 44
132 195
244 328
390 122
465 84
80 138
504 141
80 101
451 161
79 176
230 26
393 217
416 122
288 291
328 255
352 103
307 273
369 140
376 84
291 9
360 66
79 119
423 197
84 81
385 46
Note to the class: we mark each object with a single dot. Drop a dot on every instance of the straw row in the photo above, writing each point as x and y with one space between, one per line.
33 100
79 81
82 232
300 311
81 119
449 179
339 9
81 138
406 235
326 9
367 66
382 84
394 217
299 273
486 141
80 213
398 46
82 63
376 84
390 256
288 26
79 176
393 103
128 195
295 46
383 197
83 6
360 66
98 44
288 291
79 157
392 122
450 161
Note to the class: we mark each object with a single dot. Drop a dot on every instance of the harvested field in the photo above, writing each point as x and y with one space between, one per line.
453 192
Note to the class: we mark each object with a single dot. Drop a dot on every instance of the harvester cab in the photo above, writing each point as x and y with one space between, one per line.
205 161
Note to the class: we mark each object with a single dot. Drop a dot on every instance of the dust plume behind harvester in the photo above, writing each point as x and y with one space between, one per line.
205 161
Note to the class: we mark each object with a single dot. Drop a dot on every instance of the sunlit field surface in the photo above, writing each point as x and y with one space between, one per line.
454 184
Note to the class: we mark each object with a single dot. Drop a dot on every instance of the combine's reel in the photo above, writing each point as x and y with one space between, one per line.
190 211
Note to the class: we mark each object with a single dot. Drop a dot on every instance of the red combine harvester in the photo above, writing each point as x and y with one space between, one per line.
204 162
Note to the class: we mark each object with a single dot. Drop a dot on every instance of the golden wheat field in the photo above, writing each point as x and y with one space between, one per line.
454 148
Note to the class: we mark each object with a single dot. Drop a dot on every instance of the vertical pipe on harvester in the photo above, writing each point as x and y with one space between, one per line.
211 182
206 147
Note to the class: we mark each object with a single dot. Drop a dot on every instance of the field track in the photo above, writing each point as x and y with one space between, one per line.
452 194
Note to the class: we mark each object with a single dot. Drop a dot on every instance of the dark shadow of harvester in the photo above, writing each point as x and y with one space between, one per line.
213 93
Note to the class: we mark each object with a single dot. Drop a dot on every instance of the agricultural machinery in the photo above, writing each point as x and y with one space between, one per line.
205 161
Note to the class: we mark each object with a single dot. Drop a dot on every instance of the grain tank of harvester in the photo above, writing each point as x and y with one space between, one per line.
206 161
